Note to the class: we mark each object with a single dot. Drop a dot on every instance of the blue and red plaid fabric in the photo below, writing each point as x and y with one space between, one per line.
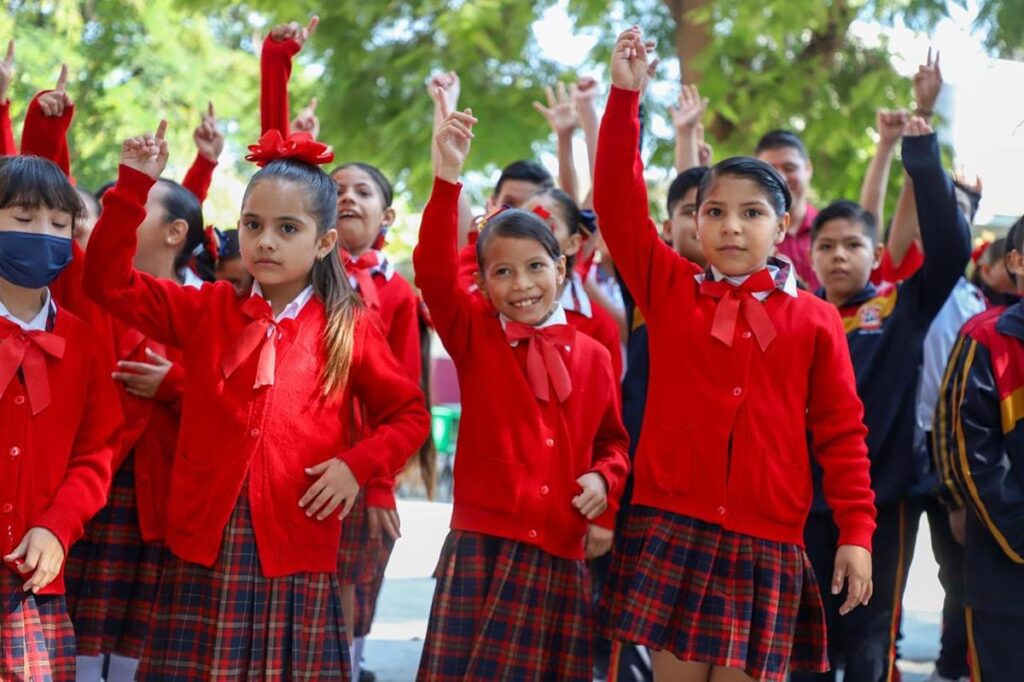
111 575
355 538
368 587
231 623
507 611
714 596
37 641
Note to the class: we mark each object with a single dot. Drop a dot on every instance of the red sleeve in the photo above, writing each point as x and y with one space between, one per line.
161 309
172 388
199 177
47 136
611 453
7 144
275 72
609 337
69 292
889 272
835 416
398 421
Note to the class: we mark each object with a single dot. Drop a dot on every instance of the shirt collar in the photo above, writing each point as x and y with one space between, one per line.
779 267
37 323
190 279
556 317
292 310
575 298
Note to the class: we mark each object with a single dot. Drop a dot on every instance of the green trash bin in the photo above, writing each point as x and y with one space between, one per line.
445 427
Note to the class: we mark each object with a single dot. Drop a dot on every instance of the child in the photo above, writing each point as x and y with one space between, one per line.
711 575
984 452
61 423
541 447
885 330
262 468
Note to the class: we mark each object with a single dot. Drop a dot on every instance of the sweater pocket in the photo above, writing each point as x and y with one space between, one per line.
785 490
492 483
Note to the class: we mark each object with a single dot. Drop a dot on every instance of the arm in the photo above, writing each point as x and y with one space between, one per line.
835 417
872 193
45 132
685 121
7 145
283 43
209 145
561 116
444 90
944 427
993 489
584 95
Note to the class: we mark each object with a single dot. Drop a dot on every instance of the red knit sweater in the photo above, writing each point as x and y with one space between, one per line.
725 434
230 431
519 458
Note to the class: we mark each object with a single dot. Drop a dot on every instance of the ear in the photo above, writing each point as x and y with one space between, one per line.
492 204
326 242
478 279
575 242
388 219
560 268
878 251
666 230
177 233
1014 263
783 227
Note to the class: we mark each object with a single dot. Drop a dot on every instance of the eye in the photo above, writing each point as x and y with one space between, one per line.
824 247
23 220
538 265
501 272
59 226
752 213
251 225
690 211
289 228
714 212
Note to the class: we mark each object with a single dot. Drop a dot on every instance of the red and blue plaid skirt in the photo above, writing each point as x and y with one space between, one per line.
355 539
506 610
112 575
713 596
368 587
229 622
37 641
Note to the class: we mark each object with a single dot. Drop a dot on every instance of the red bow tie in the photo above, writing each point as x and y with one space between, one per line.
28 350
543 359
255 336
361 269
723 326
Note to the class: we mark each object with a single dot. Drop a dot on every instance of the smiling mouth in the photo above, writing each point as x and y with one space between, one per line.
525 303
347 214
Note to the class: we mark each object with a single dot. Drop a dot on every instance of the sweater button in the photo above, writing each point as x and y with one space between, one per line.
19 400
255 433
532 533
7 508
737 391
746 335
721 511
15 451
550 442
544 490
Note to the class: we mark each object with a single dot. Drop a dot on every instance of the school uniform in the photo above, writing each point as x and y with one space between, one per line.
199 177
275 72
983 451
722 482
7 145
886 328
59 430
591 319
512 598
253 418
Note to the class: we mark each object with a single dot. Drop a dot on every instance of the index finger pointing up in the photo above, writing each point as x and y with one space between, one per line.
62 79
445 110
311 26
9 59
209 109
161 129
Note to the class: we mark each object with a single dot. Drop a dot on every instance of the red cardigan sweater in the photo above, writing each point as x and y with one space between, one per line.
55 467
230 431
47 136
725 435
518 461
7 144
275 71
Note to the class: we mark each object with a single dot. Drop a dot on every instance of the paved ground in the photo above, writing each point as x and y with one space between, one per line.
393 649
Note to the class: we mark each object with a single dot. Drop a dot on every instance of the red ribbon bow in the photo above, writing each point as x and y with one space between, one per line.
723 326
254 336
361 269
543 359
300 146
28 350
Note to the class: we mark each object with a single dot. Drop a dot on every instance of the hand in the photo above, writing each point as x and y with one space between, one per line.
853 567
691 108
55 102
890 126
927 84
306 121
960 175
445 87
335 487
917 127
629 60
208 138
293 31
452 140
705 152
597 542
147 153
594 499
584 93
560 112
143 379
39 551
6 71
387 520
958 524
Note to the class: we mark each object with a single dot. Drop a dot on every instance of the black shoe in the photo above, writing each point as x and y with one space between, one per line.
367 675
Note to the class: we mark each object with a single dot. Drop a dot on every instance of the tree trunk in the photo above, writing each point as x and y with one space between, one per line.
691 37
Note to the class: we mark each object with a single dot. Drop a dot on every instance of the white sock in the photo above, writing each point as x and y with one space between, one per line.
122 668
88 668
354 653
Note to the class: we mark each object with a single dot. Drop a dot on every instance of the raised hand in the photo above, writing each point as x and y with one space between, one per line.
962 179
585 92
629 60
146 153
294 31
208 138
890 125
917 127
927 85
560 112
452 140
691 109
307 121
56 102
445 87
6 71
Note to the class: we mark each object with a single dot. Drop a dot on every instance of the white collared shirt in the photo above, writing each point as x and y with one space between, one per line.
789 288
292 310
556 317
37 323
575 298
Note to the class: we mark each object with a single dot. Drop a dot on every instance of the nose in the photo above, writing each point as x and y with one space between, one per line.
840 254
265 241
731 224
521 281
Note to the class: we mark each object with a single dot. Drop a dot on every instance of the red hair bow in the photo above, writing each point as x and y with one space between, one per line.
300 146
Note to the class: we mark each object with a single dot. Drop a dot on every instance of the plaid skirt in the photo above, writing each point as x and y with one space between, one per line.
231 623
112 575
355 538
507 611
37 641
714 596
368 587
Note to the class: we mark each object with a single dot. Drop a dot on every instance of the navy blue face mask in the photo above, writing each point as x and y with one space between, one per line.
32 260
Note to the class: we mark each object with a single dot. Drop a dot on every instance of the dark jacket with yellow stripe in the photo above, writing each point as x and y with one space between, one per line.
886 326
982 455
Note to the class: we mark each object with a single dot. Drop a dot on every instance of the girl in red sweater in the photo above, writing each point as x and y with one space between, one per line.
266 466
59 421
542 450
712 575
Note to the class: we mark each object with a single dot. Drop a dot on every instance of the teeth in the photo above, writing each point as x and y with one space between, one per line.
525 304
